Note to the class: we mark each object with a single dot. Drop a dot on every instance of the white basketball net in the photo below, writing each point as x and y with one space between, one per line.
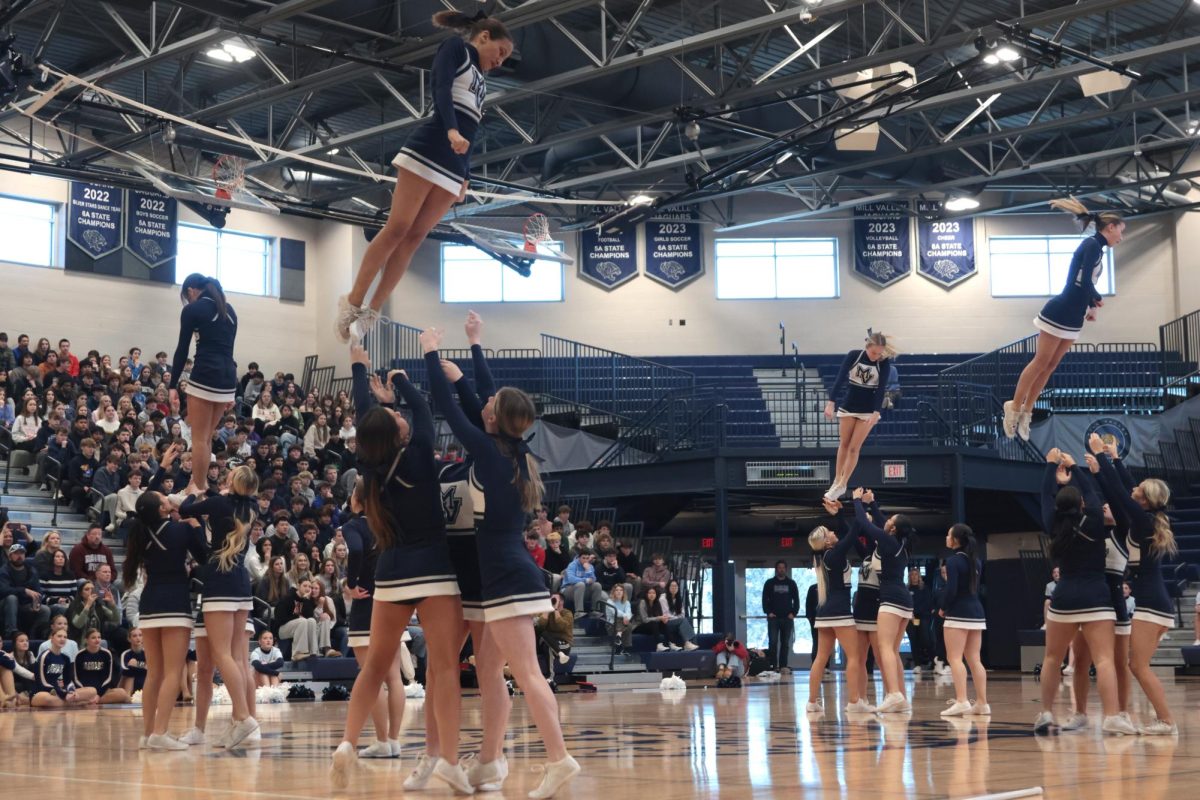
537 229
229 174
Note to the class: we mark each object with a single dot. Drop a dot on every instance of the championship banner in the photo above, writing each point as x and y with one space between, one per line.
94 218
882 242
673 254
1133 434
608 259
150 227
947 247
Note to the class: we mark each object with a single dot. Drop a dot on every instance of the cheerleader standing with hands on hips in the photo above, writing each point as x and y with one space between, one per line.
863 377
1061 319
513 587
433 168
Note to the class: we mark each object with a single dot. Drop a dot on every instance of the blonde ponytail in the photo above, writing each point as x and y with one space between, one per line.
242 481
1070 205
816 540
1083 217
1163 540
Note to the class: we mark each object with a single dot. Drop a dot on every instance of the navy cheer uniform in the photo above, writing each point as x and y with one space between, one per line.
417 565
223 590
1153 602
894 596
958 601
54 673
362 560
1081 594
133 665
166 600
458 92
513 585
835 611
462 496
867 385
214 372
97 670
1064 314
866 599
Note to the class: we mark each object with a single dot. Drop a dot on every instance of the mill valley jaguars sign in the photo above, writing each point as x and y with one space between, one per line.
882 242
608 259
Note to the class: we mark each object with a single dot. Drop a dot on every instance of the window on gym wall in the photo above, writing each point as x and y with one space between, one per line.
470 275
1037 266
776 269
240 261
27 230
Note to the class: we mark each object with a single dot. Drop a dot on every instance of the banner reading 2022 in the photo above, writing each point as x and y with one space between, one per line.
882 244
94 218
150 234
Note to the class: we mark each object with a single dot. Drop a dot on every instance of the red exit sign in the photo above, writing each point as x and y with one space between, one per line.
708 543
895 471
786 542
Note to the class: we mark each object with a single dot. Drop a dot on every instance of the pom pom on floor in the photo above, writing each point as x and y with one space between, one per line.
414 690
770 676
220 695
136 698
673 684
271 694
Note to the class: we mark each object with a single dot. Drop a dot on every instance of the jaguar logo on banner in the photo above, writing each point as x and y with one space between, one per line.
150 227
1112 431
608 260
882 251
673 250
947 247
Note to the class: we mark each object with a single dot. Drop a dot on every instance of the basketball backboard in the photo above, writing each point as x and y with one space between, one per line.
200 190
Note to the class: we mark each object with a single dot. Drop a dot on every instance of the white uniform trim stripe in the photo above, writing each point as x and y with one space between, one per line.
512 598
414 581
835 622
526 608
438 177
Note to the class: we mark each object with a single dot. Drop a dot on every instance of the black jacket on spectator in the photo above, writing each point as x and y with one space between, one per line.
286 609
629 563
556 562
81 471
609 578
781 597
15 581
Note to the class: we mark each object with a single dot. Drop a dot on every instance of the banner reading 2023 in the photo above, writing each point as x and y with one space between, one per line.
882 244
673 252
947 254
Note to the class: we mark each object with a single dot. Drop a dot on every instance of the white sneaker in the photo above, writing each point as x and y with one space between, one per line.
487 777
394 746
367 319
558 774
1159 728
916 670
894 703
815 707
945 670
240 731
662 648
142 743
1118 725
1075 722
157 741
1068 670
689 646
957 708
981 710
1024 420
835 491
1196 643
343 761
193 736
563 658
1044 723
255 736
178 498
376 750
453 776
859 706
419 778
1010 419
346 315
674 647
937 665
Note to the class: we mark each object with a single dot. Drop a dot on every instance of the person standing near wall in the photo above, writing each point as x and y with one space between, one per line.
781 604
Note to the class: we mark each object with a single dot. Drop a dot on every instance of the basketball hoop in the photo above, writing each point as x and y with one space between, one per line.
537 230
229 175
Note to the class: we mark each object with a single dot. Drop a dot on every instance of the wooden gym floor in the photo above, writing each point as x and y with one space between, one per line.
750 743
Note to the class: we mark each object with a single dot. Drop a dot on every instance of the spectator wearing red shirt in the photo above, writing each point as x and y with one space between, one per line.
535 549
66 358
91 553
732 657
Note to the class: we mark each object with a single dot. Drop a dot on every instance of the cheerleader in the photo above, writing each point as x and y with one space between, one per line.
1116 558
363 557
895 600
213 379
203 674
1061 319
1150 538
835 620
96 667
1072 518
866 599
227 599
160 547
54 678
433 168
133 664
513 587
863 377
403 505
965 622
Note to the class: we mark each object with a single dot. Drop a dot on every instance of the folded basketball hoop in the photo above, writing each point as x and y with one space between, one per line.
229 175
537 230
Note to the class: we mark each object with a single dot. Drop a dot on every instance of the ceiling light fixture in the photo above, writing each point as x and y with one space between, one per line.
230 51
641 200
333 151
1006 53
961 204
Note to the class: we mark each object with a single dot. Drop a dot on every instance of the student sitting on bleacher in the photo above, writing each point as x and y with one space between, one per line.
556 559
555 635
266 660
651 618
619 617
59 584
21 595
579 584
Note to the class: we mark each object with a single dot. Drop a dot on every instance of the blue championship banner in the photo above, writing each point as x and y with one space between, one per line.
608 260
94 218
882 252
947 247
673 250
150 227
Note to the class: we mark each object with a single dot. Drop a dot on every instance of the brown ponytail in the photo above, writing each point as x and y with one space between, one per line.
471 26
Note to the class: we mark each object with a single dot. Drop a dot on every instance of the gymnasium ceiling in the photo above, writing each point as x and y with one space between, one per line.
589 105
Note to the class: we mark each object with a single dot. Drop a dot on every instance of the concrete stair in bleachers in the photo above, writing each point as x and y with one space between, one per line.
34 507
